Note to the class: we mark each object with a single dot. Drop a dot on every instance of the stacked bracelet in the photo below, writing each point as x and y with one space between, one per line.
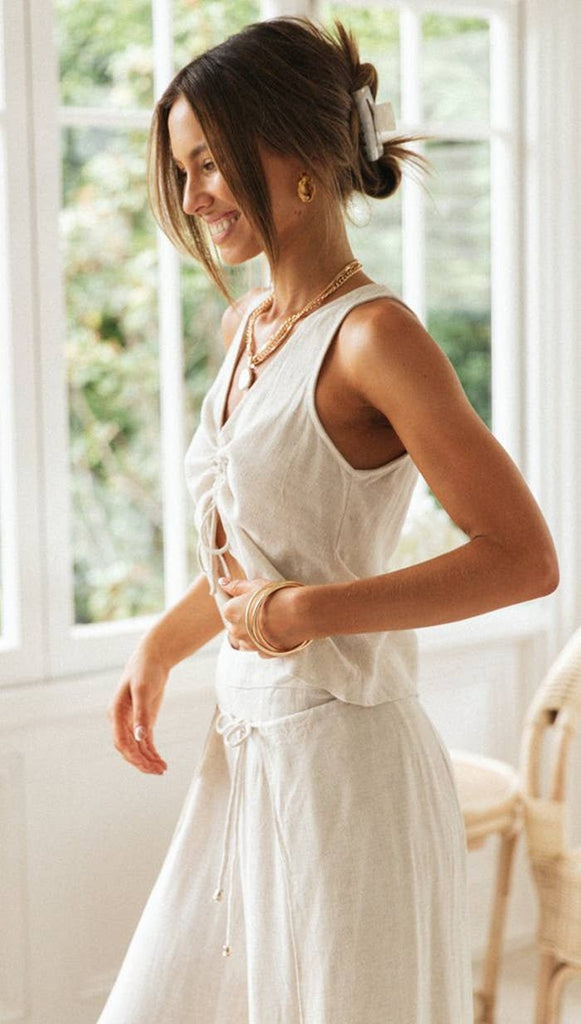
252 618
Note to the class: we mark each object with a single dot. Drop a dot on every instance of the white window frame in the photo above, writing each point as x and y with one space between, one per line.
21 656
39 641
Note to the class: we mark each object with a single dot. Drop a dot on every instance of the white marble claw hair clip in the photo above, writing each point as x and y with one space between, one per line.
377 122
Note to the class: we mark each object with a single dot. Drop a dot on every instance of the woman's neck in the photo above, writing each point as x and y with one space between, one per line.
295 286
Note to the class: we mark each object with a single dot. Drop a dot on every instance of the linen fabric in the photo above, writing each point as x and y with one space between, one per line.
324 804
291 505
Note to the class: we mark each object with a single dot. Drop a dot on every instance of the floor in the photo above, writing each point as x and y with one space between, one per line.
516 994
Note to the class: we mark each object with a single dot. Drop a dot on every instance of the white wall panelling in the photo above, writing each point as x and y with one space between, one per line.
14 962
83 837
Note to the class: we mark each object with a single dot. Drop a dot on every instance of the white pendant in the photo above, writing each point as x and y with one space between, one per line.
245 379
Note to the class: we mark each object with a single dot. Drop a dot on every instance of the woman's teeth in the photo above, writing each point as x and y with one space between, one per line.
218 227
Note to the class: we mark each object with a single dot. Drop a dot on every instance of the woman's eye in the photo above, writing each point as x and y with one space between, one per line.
208 166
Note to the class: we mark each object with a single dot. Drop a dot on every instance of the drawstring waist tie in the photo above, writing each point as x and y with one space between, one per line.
235 732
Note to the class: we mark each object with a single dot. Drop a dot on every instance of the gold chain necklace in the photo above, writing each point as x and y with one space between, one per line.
248 376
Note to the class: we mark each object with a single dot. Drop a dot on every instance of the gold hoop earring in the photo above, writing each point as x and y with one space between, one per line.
306 188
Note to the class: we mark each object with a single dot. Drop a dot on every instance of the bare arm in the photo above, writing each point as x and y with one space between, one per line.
510 555
186 626
400 370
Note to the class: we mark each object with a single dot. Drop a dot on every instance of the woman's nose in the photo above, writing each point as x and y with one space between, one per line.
192 198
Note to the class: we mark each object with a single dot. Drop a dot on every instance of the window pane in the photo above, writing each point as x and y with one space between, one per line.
105 49
109 256
427 532
374 226
375 238
377 31
198 26
458 263
456 77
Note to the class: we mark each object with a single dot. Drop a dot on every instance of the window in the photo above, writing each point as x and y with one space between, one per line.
108 339
125 358
126 333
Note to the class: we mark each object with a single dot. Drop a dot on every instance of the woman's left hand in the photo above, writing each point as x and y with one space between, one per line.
277 617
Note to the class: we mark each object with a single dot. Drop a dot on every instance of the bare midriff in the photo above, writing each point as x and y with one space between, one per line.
235 569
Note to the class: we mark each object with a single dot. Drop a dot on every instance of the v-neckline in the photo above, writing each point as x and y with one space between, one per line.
273 361
230 382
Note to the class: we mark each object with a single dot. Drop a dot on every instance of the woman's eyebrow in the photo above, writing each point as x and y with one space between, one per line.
195 151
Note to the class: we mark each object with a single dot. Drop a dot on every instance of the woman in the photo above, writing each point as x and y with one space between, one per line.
323 816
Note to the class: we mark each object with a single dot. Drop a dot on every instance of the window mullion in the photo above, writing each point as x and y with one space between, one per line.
413 216
507 397
172 413
22 648
171 358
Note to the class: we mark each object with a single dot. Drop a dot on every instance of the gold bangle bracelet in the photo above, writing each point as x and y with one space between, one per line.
261 641
252 619
258 633
253 611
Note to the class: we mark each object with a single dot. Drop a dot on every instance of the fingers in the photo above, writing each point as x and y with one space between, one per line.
233 615
125 742
136 753
142 727
148 748
141 754
242 645
234 588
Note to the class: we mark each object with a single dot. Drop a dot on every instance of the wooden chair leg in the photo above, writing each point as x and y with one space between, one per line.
488 989
559 978
547 967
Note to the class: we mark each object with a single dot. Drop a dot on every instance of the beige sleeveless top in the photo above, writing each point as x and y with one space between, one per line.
292 507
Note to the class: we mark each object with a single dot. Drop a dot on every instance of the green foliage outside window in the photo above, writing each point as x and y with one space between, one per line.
110 266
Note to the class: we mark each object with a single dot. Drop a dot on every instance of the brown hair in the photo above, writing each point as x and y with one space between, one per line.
287 84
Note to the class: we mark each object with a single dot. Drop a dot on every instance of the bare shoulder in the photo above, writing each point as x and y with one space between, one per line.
233 314
385 344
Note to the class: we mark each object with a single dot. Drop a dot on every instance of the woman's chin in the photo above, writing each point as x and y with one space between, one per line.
235 256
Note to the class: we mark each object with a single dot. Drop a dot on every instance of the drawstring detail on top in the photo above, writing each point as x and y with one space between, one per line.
208 522
235 731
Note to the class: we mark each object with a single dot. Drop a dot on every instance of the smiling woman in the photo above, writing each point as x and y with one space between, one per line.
213 101
330 398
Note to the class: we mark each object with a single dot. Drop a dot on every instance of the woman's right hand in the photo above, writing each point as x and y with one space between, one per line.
136 702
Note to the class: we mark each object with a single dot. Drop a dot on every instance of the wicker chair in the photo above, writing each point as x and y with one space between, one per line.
491 802
556 868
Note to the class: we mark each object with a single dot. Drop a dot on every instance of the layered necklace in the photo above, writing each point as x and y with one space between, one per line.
254 356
